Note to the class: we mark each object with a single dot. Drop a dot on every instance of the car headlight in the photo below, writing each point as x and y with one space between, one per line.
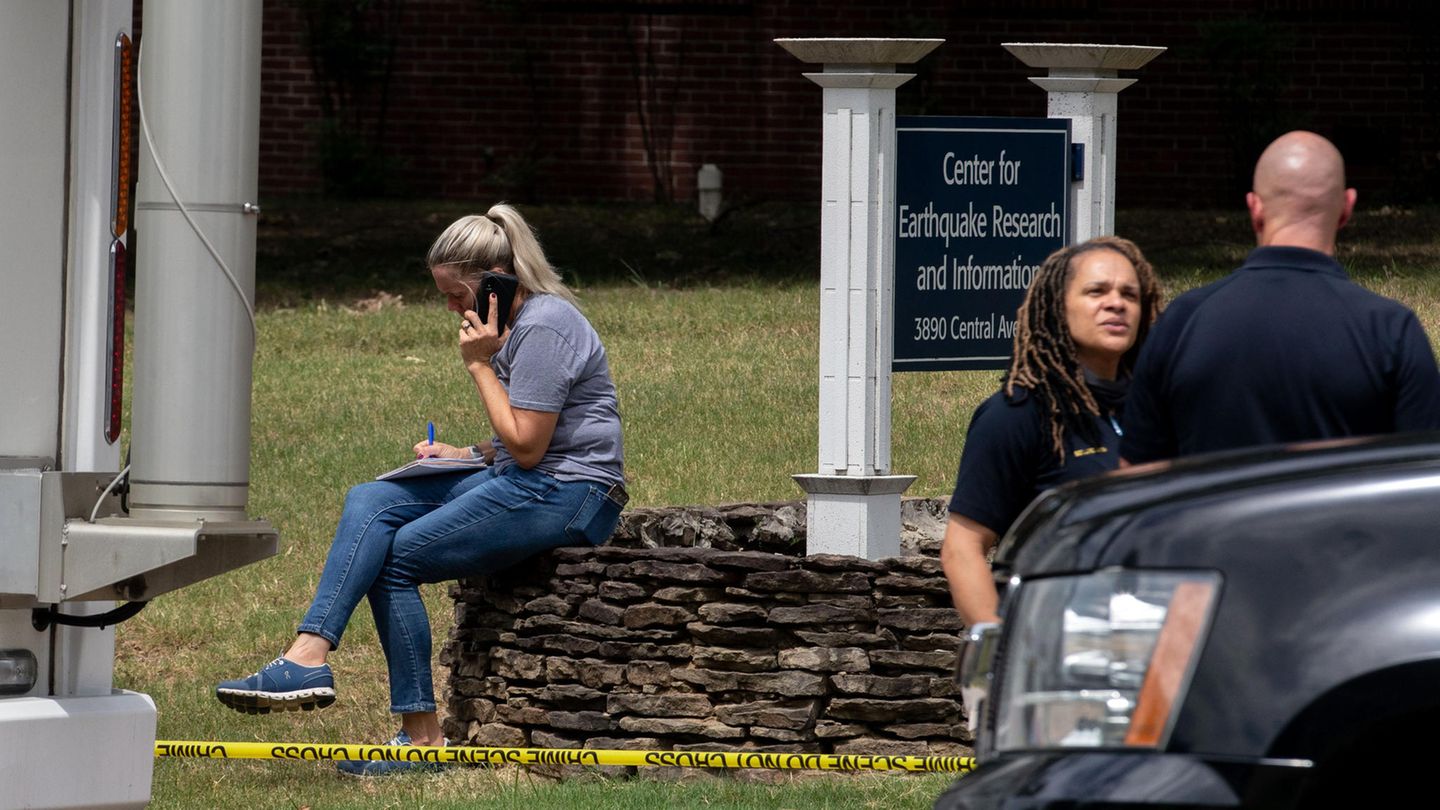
1101 660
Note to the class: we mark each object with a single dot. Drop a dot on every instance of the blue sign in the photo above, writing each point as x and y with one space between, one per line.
980 203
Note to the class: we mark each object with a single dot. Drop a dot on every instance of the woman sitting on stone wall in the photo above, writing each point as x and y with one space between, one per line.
556 479
1056 416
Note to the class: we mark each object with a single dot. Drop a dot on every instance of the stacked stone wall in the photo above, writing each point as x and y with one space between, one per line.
695 648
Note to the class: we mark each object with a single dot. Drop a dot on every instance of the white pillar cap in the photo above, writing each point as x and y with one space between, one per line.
1106 58
851 51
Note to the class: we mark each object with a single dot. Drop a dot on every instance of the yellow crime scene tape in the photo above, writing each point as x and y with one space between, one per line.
195 749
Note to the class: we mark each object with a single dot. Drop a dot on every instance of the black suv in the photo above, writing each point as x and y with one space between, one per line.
1249 629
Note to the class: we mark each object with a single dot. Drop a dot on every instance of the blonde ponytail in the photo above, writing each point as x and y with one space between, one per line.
500 238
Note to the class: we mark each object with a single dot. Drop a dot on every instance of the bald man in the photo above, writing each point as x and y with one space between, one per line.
1286 348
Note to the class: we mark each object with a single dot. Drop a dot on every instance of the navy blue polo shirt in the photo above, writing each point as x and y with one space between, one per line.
1286 348
1009 459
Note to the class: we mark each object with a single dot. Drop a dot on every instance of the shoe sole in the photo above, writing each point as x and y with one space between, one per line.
266 702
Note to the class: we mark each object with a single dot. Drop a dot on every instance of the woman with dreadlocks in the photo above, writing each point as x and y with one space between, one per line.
1056 416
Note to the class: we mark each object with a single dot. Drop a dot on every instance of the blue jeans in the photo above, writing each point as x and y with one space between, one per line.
394 535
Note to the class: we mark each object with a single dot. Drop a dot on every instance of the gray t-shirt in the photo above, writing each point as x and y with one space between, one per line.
554 362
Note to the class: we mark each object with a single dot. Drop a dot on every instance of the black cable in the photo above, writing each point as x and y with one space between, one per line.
42 618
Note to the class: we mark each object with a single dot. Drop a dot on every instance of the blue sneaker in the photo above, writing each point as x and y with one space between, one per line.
282 685
388 767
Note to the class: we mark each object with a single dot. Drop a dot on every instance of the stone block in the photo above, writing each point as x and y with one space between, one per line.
569 645
733 659
733 636
808 582
581 721
649 614
622 591
667 705
950 748
913 584
820 615
881 747
559 669
546 739
573 587
781 734
919 731
843 562
600 674
845 600
931 641
642 673
550 604
855 639
906 600
675 572
779 598
785 683
784 714
749 560
921 619
944 686
482 711
825 659
922 566
732 613
495 687
497 735
579 569
573 554
713 729
517 665
520 715
572 696
876 686
907 660
474 666
625 651
831 730
624 744
467 687
598 611
935 710
688 596
555 624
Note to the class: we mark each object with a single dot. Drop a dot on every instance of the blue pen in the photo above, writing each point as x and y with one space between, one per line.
432 433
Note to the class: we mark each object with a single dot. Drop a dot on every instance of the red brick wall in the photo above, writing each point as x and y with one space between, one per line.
537 99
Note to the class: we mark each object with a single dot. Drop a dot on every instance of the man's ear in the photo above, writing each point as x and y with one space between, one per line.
1257 212
1349 209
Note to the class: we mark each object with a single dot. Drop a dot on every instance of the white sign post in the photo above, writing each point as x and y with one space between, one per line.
854 501
1082 85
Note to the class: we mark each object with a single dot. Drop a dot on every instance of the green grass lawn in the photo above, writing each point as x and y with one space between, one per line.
717 378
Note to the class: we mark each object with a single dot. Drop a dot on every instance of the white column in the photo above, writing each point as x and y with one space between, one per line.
1082 85
853 500
200 105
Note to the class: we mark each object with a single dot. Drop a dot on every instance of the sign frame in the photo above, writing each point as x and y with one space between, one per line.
976 189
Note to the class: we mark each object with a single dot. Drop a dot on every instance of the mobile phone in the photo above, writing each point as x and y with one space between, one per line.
504 286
